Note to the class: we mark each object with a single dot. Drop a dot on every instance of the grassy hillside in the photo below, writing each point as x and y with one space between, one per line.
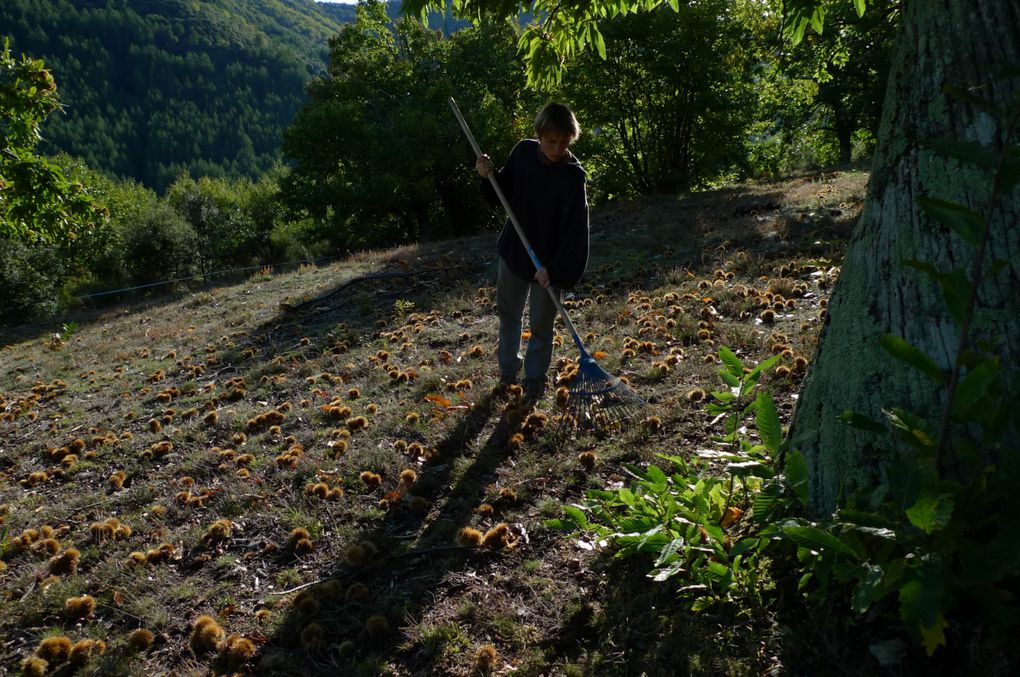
294 456
155 88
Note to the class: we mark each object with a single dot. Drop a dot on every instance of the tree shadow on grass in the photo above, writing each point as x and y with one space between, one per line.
637 627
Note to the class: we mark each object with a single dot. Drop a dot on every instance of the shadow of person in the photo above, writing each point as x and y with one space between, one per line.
343 621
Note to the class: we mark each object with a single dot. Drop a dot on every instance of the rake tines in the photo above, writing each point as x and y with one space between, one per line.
598 400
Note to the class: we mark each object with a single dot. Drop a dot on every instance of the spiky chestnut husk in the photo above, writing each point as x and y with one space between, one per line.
469 537
377 626
140 639
313 637
485 659
497 538
79 607
206 633
54 650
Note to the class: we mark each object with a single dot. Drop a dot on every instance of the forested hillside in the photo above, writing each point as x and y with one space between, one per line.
152 89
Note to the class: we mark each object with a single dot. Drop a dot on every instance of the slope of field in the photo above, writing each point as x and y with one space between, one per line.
294 456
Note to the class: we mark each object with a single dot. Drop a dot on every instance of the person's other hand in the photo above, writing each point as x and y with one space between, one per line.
542 277
483 165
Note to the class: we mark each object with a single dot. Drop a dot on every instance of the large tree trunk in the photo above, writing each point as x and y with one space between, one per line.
943 42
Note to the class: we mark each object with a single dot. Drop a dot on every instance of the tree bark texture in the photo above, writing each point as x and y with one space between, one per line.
943 42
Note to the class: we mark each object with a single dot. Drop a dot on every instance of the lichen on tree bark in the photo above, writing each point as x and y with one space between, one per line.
943 42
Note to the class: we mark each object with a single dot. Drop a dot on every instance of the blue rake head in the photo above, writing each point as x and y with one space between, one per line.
598 400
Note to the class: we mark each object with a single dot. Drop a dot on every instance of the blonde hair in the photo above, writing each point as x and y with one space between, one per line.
557 118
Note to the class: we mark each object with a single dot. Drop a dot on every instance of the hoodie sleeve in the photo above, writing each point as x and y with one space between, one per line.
571 258
505 178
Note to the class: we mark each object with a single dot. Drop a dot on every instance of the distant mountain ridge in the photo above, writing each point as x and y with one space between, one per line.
156 87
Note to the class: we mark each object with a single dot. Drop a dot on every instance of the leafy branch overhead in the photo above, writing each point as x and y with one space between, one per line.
557 30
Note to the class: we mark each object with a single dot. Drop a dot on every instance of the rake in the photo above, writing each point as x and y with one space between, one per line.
597 400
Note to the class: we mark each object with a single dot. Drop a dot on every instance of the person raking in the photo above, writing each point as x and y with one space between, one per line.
545 185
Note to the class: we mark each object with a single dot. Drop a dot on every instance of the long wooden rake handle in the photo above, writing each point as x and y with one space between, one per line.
517 226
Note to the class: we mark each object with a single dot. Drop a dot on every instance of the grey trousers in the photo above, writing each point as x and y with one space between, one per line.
512 293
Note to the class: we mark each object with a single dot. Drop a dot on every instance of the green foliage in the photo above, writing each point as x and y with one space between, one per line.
668 101
31 281
299 240
672 95
689 522
45 217
402 308
850 66
734 404
233 220
128 204
371 150
38 205
558 32
161 245
800 14
201 226
381 168
680 522
822 97
820 92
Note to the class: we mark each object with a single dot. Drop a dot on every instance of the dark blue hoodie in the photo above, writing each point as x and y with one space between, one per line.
550 203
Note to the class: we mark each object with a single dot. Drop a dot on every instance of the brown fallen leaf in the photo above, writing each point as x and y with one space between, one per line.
730 516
